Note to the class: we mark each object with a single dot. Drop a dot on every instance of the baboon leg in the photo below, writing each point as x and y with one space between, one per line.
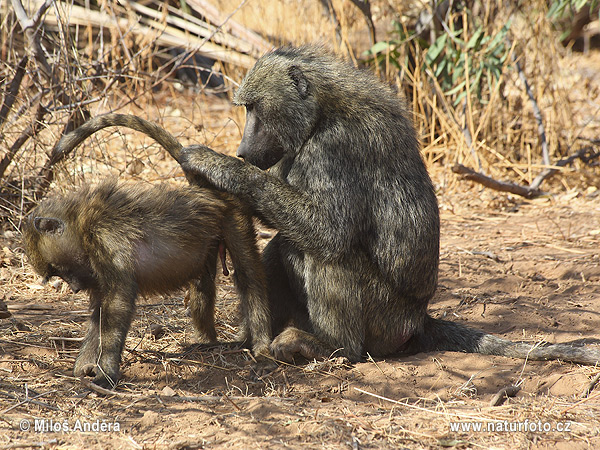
109 324
249 278
85 364
287 296
336 315
202 298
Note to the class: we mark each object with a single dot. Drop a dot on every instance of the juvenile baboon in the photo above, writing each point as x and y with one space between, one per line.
355 261
118 242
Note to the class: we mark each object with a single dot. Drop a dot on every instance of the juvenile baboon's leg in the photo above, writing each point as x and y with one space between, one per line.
85 364
202 298
111 318
249 278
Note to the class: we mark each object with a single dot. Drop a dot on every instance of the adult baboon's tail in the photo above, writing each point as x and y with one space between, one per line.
69 141
442 335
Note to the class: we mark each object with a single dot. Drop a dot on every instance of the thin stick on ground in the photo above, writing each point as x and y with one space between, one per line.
590 387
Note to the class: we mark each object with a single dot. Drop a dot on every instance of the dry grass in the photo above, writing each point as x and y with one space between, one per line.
319 405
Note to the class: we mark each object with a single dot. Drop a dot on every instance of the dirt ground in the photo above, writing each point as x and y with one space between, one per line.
522 269
525 270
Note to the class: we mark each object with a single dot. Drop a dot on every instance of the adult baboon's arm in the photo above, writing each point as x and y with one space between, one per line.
312 222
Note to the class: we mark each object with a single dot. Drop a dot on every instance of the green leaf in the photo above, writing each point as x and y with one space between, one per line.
475 39
440 68
455 89
436 49
379 47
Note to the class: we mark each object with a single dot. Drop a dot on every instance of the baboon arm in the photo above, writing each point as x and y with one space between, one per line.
307 221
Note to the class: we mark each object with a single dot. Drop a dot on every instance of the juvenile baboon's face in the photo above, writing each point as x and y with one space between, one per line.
53 252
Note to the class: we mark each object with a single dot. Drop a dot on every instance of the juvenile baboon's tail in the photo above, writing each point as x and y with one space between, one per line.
442 335
69 141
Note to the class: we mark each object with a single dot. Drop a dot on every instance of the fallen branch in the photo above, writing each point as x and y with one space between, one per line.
524 191
580 402
581 154
502 186
177 398
166 35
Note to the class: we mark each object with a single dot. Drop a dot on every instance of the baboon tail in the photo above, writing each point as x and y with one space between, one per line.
442 335
69 141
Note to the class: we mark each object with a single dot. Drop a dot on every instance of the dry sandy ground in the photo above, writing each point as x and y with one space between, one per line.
522 270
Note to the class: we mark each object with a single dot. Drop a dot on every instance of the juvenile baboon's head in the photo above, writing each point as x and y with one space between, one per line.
54 249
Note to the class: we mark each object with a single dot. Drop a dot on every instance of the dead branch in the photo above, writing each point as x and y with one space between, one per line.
365 8
581 154
229 25
30 131
332 16
590 387
31 29
470 174
166 35
176 398
46 174
13 90
524 191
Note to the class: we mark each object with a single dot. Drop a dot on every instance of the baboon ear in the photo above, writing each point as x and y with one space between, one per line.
49 225
299 80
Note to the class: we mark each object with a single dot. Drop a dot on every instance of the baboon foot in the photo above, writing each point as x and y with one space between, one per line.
102 376
87 370
293 341
85 364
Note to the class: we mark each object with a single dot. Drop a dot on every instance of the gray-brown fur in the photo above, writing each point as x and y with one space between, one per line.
121 241
355 262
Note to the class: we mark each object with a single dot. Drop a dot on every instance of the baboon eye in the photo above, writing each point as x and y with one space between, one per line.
250 107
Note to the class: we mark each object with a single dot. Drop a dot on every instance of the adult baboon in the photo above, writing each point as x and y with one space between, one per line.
118 242
355 261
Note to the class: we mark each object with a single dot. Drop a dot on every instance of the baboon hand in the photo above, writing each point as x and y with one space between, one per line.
195 161
193 158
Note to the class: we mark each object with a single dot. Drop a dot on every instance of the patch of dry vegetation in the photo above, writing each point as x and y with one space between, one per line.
177 394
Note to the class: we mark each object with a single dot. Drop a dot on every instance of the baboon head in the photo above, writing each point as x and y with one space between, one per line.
53 250
281 107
